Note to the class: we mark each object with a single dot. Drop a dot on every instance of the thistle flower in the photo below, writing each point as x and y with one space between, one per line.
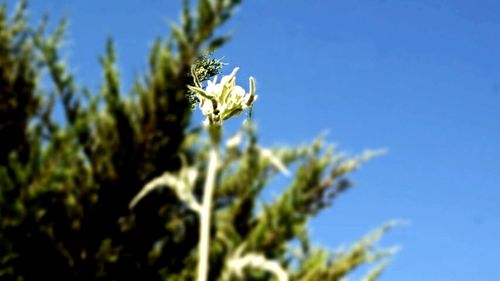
223 100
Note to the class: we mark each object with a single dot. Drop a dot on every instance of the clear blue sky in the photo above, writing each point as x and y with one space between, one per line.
420 77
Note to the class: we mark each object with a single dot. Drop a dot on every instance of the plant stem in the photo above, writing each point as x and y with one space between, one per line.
205 215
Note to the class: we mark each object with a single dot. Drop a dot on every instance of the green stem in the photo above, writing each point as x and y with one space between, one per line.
205 215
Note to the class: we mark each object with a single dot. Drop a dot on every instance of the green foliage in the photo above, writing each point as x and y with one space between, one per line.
65 187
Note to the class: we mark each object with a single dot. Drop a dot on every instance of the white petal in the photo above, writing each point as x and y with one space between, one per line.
238 91
207 107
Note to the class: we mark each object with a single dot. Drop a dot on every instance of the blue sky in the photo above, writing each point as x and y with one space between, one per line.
421 78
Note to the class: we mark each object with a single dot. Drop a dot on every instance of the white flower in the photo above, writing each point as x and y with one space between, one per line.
221 101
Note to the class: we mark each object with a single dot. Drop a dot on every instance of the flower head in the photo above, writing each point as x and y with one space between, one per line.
223 100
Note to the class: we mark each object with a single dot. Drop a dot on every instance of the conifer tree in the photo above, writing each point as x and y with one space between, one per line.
124 189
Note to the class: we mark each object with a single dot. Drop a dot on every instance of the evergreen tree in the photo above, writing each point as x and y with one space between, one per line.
118 190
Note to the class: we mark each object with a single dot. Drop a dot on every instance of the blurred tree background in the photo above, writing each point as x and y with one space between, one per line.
66 185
